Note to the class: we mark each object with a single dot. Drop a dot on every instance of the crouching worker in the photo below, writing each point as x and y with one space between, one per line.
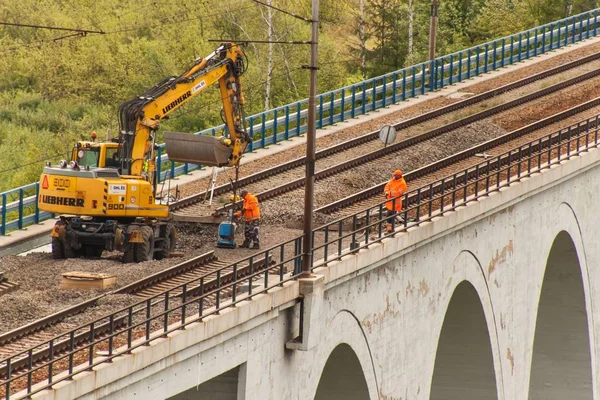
394 189
251 215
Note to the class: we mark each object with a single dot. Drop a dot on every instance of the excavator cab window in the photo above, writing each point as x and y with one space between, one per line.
88 156
111 160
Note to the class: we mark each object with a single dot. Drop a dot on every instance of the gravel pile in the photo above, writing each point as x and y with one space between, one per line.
39 275
104 306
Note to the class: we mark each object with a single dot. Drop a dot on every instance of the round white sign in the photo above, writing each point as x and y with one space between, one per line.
387 135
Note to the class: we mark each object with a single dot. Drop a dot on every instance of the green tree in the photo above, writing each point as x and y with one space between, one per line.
387 30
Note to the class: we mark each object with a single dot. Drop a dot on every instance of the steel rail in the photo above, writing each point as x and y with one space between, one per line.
355 142
376 190
36 355
168 273
45 322
455 190
417 139
217 284
475 172
21 359
233 277
131 289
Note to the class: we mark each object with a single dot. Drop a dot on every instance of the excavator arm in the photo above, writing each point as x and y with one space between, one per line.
141 116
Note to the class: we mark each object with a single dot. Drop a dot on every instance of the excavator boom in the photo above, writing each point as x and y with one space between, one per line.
142 115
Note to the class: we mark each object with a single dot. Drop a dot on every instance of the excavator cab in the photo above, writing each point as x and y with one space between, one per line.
96 155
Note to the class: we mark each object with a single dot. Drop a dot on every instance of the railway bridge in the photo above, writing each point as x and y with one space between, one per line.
495 299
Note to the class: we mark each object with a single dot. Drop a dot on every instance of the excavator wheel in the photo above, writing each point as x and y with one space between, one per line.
139 252
58 250
145 251
168 243
61 246
129 248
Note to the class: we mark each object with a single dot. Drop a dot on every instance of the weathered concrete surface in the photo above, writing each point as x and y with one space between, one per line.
463 290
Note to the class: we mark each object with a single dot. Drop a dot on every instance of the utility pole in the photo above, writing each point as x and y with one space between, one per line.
433 29
309 183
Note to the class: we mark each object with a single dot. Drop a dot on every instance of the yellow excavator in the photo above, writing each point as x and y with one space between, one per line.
106 193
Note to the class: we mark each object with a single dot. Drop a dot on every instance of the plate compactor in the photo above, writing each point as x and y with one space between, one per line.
227 232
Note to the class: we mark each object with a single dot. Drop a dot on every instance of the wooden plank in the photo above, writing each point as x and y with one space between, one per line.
87 280
7 286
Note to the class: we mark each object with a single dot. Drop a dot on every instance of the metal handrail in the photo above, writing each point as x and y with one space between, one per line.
418 203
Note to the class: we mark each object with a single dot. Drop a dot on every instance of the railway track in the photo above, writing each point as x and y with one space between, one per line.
451 184
471 158
15 342
450 192
267 184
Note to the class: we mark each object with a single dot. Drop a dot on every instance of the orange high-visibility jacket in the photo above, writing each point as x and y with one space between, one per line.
251 211
395 188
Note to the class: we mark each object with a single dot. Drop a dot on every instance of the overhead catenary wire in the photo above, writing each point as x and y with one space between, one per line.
283 11
89 33
18 167
54 28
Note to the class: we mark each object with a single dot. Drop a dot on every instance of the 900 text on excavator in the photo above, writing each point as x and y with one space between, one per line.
110 201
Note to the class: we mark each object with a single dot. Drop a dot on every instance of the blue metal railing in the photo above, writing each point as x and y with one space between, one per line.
281 123
19 208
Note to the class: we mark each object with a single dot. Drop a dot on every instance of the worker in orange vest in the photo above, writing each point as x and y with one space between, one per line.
251 214
394 189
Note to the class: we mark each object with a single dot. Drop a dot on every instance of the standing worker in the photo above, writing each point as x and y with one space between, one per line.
251 214
394 189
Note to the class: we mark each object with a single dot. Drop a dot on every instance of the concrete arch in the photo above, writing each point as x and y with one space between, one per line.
561 365
344 341
464 365
342 378
570 225
467 359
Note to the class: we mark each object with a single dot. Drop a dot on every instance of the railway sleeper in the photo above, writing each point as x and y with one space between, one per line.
5 285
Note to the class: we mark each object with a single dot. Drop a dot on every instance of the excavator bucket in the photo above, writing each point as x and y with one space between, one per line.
197 149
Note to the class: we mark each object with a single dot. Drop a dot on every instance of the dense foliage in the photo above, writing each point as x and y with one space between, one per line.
58 86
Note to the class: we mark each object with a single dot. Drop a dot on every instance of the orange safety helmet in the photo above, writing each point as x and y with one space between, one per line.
397 172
